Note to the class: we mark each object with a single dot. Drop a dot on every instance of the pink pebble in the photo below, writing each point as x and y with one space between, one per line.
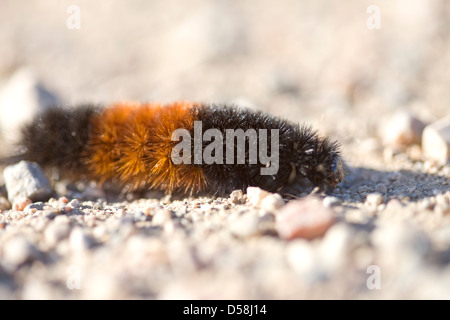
306 218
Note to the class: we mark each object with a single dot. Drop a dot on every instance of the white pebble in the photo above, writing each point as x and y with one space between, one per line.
17 250
26 180
245 225
373 200
302 257
78 240
272 202
436 141
335 247
75 203
401 129
161 217
255 195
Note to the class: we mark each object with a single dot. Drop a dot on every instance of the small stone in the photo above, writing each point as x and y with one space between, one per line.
331 202
272 202
20 203
100 232
414 152
306 218
336 245
401 129
149 211
436 141
161 217
302 257
75 203
237 197
373 200
26 179
245 225
266 223
63 200
381 188
17 251
35 206
140 216
255 195
16 215
78 240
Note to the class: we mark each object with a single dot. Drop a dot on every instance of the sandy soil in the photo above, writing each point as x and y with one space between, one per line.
308 61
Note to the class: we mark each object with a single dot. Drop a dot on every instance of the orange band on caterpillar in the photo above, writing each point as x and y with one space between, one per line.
132 144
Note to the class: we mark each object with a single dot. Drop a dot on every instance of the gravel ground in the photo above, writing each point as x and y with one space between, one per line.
384 233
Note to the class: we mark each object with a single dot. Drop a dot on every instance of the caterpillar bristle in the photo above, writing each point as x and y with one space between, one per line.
132 144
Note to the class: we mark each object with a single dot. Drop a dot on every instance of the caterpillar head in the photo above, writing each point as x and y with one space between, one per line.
327 170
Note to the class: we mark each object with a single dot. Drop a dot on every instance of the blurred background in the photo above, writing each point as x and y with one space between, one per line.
314 61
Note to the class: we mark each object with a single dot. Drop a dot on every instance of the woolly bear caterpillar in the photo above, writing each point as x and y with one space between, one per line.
133 144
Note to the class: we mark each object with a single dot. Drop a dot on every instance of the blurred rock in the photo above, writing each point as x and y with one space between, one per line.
161 217
373 200
401 245
245 226
22 97
306 218
55 232
436 141
26 180
79 240
17 251
335 246
255 195
272 202
400 130
302 256
237 197
20 203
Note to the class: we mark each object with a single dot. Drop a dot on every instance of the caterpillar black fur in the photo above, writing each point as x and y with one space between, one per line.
133 144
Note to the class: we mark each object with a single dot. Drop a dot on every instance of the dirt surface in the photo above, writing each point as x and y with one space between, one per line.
308 61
